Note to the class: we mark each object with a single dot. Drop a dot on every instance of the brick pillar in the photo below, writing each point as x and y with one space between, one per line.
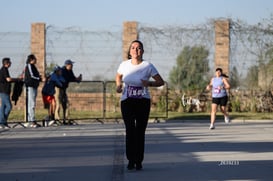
130 34
38 48
38 45
222 45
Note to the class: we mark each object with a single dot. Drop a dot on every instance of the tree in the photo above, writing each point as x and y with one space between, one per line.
252 77
234 78
260 76
50 68
258 44
266 70
191 69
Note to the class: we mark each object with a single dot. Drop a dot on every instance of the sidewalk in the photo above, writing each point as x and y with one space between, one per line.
174 152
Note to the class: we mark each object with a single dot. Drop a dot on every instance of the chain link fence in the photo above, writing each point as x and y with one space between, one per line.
98 53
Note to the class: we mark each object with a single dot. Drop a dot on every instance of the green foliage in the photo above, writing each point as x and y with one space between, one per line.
235 78
162 104
236 104
252 77
191 69
265 67
50 68
257 40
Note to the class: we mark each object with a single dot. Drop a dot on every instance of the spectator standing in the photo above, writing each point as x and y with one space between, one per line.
32 80
132 80
61 94
5 90
55 79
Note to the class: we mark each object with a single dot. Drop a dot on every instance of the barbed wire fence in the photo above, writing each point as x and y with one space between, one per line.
98 53
163 44
15 45
250 44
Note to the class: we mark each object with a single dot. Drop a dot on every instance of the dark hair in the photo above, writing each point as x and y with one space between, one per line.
219 70
135 41
5 60
31 57
224 75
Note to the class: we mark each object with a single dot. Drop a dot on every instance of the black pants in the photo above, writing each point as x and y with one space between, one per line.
135 113
64 100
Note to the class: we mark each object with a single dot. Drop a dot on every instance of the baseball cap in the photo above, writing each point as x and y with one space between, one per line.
68 62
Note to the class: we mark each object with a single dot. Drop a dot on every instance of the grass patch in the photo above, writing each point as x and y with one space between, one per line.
18 115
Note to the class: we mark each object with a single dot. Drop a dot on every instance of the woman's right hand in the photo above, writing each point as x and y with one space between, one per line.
119 89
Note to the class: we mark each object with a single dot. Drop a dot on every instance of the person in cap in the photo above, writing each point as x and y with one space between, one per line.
5 90
61 94
219 86
53 80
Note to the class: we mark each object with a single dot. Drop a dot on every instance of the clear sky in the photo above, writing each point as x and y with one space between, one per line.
17 15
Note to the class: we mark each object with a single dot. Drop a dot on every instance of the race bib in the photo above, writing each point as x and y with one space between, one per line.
135 92
217 91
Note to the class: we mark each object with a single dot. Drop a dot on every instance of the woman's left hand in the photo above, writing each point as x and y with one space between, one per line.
145 83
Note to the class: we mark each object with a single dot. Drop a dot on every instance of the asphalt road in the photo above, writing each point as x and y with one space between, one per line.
175 151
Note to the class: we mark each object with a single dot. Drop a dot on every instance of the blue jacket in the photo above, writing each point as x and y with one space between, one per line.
53 81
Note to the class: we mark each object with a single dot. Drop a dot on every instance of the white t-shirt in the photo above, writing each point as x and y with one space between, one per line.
132 76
